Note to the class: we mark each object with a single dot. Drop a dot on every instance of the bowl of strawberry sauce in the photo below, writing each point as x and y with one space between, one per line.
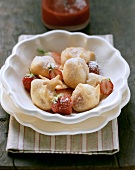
66 14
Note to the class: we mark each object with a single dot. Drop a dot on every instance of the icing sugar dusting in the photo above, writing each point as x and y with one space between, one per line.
80 4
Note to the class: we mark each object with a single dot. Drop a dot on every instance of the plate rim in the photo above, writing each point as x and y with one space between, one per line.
68 132
58 117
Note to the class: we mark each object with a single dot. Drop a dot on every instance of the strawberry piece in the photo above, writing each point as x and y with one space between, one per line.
106 87
93 67
57 57
62 104
27 79
53 72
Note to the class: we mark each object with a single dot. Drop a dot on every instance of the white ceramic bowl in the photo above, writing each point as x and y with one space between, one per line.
89 125
16 66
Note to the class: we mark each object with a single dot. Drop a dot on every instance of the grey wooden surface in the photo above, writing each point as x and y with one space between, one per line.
115 17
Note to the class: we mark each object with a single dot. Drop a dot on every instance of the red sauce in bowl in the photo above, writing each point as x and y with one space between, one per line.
66 14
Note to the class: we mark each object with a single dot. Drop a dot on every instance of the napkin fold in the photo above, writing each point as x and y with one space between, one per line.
22 139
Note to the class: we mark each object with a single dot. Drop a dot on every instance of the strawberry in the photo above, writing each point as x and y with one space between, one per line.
54 71
27 79
106 87
62 104
57 57
93 67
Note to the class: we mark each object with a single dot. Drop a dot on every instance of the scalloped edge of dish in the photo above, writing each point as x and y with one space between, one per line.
59 128
57 117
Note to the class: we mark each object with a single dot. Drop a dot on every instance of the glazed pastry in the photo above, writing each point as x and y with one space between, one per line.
43 91
94 79
40 65
75 71
74 52
85 97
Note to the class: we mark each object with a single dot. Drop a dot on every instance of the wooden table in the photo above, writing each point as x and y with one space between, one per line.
115 17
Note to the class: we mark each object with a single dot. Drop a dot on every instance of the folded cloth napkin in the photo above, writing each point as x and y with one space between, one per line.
22 139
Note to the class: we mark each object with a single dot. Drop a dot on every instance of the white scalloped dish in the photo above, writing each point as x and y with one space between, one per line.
89 125
110 60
